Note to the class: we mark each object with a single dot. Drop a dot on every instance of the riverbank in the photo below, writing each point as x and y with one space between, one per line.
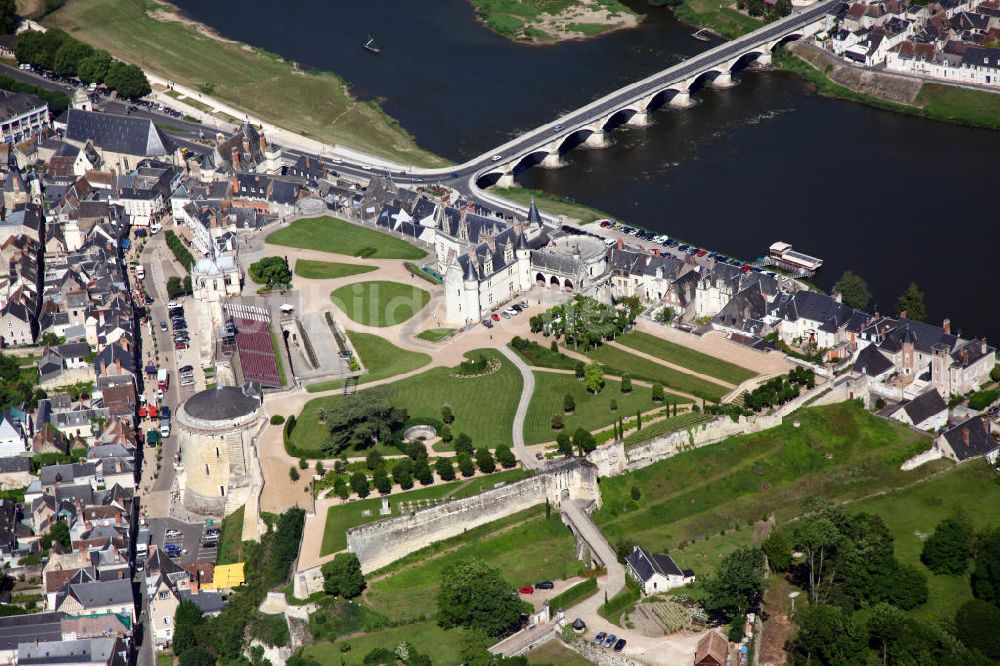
553 21
892 92
551 204
318 105
718 16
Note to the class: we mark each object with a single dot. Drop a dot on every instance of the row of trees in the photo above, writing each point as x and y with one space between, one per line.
18 385
779 390
180 251
854 291
56 51
587 322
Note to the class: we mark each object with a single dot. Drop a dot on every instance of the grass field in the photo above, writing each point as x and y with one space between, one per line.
552 205
527 547
443 647
483 406
380 357
320 103
519 20
342 517
380 302
435 334
328 234
619 360
555 653
328 270
592 411
686 357
839 452
231 538
718 16
543 357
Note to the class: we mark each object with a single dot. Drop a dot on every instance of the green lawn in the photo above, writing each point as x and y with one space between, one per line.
483 406
962 105
435 334
912 515
551 204
380 302
328 270
279 354
839 452
315 104
543 357
164 659
555 653
718 15
231 539
443 647
592 411
380 357
527 547
619 360
328 234
686 357
518 20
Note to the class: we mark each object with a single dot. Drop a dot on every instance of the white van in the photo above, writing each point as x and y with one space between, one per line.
140 272
164 428
155 228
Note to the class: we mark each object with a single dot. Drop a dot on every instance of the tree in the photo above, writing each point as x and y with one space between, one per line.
270 271
361 420
665 315
976 623
783 7
818 539
584 441
381 480
569 404
197 656
94 68
557 421
374 460
8 17
626 383
463 444
447 415
738 585
657 392
465 464
635 493
474 595
446 435
187 619
422 472
402 473
885 623
579 369
755 7
613 405
948 549
903 585
593 377
129 80
445 469
293 473
342 576
59 533
911 302
564 443
359 484
69 56
176 287
852 288
505 456
986 574
829 635
485 462
320 469
778 551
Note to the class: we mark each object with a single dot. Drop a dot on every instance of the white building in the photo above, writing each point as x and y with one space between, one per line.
656 572
21 116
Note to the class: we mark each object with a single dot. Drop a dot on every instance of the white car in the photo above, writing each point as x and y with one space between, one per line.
172 533
497 158
337 160
159 395
510 312
366 167
173 304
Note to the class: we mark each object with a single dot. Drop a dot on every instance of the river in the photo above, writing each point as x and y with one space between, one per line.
892 197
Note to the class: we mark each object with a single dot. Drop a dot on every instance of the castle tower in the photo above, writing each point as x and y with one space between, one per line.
471 283
523 254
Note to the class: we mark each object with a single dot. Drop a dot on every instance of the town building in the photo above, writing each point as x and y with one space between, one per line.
22 116
656 572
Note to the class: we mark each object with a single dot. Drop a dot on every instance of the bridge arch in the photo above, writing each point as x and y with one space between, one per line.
790 37
745 60
619 118
661 98
704 78
531 159
488 180
574 139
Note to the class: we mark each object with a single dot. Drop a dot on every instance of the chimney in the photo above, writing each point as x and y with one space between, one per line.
235 158
236 185
621 243
946 325
656 251
902 314
982 344
263 142
308 161
965 435
965 356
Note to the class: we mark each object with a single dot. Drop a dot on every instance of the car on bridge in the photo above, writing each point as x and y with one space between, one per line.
557 127
497 158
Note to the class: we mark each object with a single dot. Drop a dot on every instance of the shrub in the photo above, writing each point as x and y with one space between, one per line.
657 392
277 419
293 473
505 457
557 421
626 383
569 404
578 369
485 461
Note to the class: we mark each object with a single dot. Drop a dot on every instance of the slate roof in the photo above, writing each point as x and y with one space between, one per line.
872 362
17 629
18 104
221 403
86 650
817 307
924 406
128 135
646 564
208 601
976 431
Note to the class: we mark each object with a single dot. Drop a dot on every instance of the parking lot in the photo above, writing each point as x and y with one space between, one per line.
189 537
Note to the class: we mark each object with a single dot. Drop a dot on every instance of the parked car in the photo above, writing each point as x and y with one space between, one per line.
527 589
210 544
181 345
505 314
620 645
213 532
186 368
599 638
510 312
610 640
487 323
163 326
495 317
172 533
165 414
544 585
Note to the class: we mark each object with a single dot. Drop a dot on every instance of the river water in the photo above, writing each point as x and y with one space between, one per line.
892 197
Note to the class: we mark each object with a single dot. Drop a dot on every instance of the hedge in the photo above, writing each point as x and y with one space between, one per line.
181 253
573 595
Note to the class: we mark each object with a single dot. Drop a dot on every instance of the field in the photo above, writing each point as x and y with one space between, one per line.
619 360
686 357
328 270
441 646
240 76
483 406
543 357
557 654
379 302
519 20
592 411
961 105
435 334
552 205
380 357
328 234
231 539
527 547
839 452
717 15
342 517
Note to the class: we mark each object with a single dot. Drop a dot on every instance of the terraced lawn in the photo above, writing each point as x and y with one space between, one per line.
839 452
328 270
483 406
618 361
328 234
527 547
592 411
380 358
380 302
343 517
672 352
435 334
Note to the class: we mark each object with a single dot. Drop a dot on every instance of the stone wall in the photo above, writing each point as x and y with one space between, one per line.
383 542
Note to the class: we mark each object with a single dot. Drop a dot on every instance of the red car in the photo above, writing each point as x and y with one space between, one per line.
496 317
181 345
527 589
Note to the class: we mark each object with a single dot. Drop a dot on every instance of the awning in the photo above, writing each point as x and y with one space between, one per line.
287 308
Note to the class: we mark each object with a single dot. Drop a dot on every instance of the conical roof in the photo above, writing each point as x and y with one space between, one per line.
522 242
470 270
533 215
